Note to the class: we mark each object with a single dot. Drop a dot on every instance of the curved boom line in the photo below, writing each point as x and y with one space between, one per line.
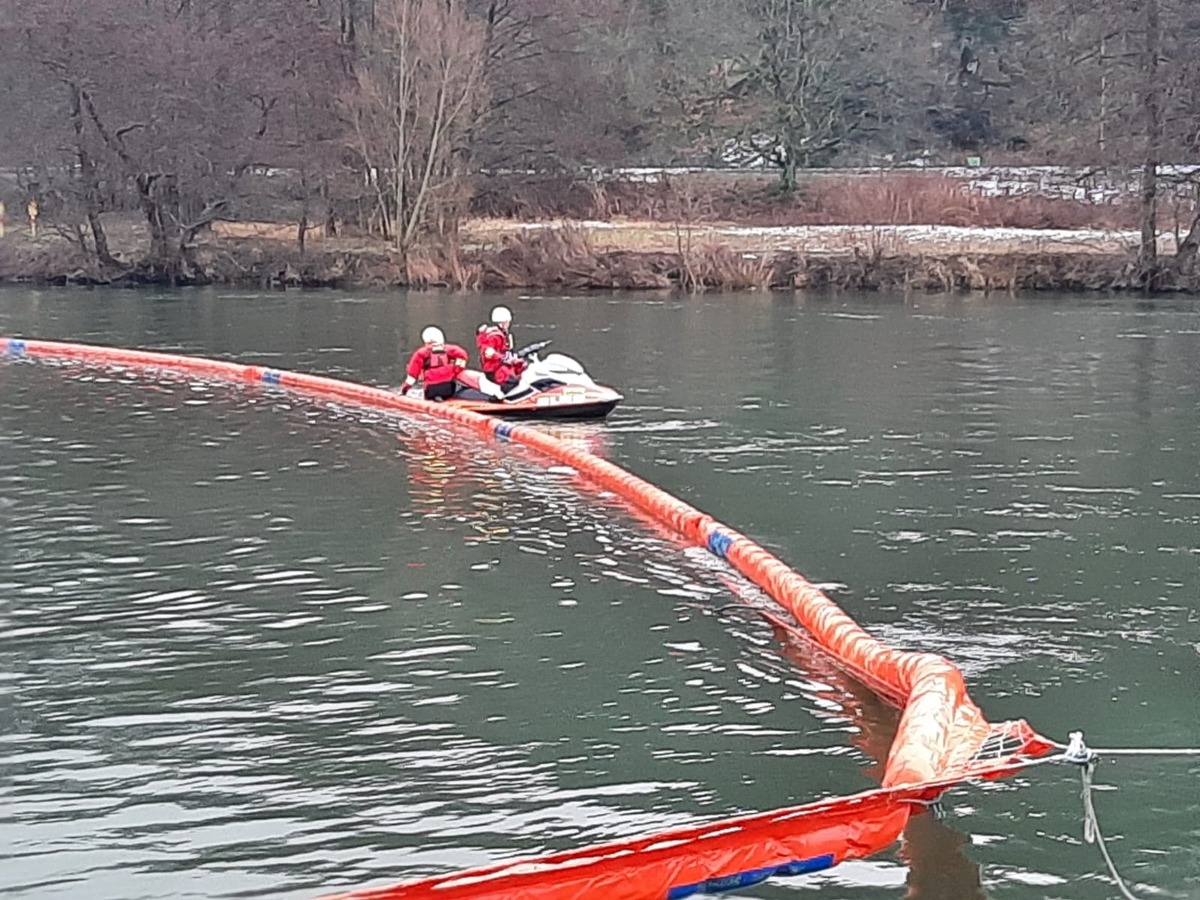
940 731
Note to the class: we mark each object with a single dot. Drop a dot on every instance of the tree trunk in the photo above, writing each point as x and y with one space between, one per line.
787 173
1148 255
100 238
164 260
330 216
1185 257
1148 252
404 79
302 225
88 181
186 246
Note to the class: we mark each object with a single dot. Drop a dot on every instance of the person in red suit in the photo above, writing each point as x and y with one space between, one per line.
437 364
500 365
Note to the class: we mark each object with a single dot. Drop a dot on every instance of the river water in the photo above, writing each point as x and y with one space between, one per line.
256 646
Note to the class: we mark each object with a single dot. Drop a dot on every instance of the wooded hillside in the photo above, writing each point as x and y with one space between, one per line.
391 115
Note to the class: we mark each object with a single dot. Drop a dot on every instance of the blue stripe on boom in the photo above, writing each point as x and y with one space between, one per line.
751 877
504 430
804 866
718 542
270 376
16 348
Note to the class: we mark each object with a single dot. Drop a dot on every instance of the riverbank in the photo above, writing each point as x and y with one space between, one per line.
623 254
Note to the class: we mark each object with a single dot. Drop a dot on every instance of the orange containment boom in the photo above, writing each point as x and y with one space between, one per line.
942 738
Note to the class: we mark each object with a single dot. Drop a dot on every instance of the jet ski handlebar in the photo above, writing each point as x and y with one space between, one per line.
530 350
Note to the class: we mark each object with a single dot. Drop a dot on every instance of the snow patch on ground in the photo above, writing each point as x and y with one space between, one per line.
885 240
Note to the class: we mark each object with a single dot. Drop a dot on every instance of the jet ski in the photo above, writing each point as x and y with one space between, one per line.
556 387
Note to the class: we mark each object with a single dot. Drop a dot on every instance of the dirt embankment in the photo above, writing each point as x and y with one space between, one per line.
632 256
921 234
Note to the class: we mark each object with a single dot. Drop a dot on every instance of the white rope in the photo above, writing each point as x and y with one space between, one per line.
1092 834
1150 751
1078 751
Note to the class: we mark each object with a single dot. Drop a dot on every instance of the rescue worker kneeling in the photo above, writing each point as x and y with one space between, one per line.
437 364
500 365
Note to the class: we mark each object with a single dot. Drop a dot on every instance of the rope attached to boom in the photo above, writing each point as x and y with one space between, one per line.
1093 835
1078 753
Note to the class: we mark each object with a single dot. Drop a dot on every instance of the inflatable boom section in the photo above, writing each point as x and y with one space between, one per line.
942 738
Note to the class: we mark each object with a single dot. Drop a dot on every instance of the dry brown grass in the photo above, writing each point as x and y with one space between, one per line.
275 231
554 197
447 268
888 198
915 199
874 215
491 235
565 257
715 266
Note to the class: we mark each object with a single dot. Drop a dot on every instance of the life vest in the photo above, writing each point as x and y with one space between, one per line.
438 365
493 343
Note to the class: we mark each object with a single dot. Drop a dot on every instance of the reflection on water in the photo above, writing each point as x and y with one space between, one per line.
255 645
592 437
332 650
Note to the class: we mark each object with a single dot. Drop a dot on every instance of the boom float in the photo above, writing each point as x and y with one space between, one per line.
942 739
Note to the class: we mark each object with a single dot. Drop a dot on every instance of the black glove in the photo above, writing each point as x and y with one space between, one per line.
404 388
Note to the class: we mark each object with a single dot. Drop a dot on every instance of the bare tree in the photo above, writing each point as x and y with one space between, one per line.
86 171
821 72
417 86
1152 92
1115 84
553 102
175 101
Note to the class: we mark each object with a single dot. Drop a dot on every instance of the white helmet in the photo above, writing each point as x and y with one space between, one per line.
433 335
501 315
